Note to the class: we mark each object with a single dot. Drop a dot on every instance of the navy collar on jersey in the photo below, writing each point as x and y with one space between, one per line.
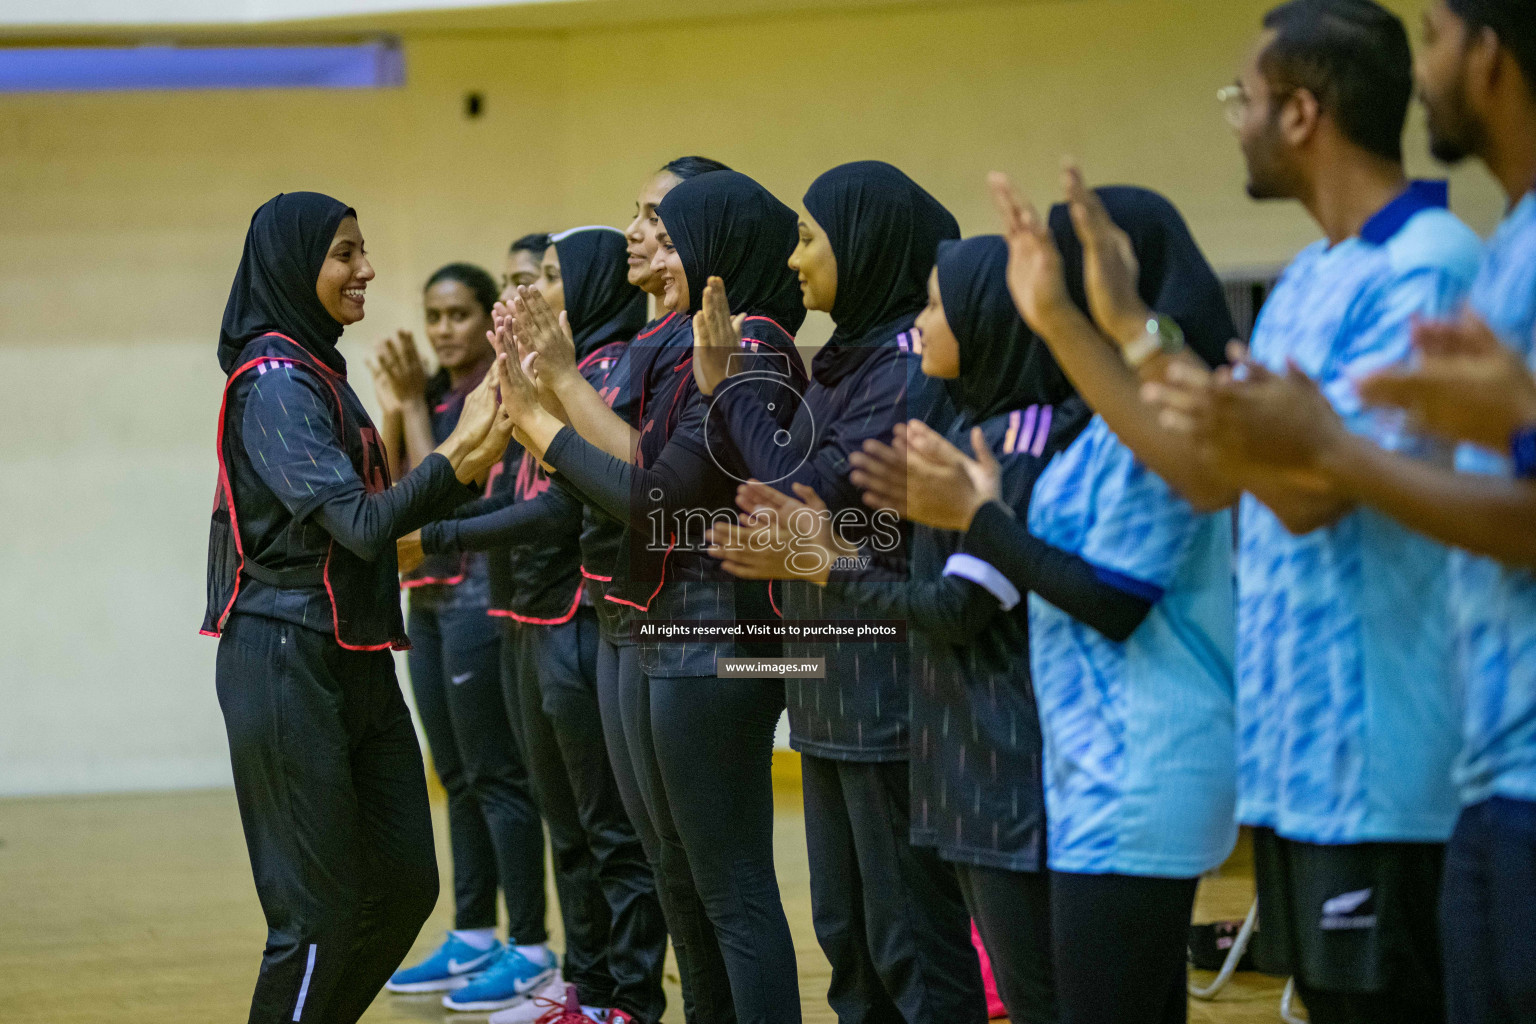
1420 195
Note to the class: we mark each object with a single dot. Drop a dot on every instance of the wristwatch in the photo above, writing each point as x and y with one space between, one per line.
1163 336
1522 450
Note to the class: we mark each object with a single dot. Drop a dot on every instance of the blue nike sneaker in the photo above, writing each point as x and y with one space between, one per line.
455 964
512 979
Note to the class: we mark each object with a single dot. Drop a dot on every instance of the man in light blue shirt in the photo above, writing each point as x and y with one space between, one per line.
1345 694
1478 80
1343 641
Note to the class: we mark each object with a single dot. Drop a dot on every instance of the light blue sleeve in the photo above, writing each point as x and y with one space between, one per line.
1114 513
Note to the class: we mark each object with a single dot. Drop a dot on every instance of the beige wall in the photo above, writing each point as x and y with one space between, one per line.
121 218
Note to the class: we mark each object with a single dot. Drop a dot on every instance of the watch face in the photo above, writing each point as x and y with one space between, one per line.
1169 333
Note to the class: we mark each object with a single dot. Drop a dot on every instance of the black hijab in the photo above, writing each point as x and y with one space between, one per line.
1175 278
600 303
724 224
274 289
885 231
1003 365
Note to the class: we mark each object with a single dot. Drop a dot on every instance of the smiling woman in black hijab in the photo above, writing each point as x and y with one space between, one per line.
728 226
273 290
888 915
970 653
302 590
712 736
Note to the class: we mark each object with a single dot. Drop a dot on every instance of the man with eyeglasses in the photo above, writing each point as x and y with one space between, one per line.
1346 702
1472 383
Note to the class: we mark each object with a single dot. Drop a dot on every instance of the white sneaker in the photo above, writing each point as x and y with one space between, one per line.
535 1005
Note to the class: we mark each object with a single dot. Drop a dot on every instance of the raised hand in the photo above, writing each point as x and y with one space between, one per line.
400 359
1248 425
755 497
1182 399
383 385
479 410
477 464
538 330
924 478
1110 270
518 393
1035 276
476 422
1469 335
951 486
716 335
1281 420
880 471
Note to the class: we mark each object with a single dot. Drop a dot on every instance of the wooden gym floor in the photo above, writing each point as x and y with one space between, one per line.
140 910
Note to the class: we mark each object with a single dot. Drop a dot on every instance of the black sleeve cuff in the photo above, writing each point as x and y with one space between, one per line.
440 537
993 528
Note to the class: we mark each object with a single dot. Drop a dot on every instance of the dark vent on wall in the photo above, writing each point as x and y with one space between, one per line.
1246 291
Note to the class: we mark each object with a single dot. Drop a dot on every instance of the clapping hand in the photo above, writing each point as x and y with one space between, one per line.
924 478
539 331
384 385
518 393
1035 275
484 428
1467 386
778 537
1110 269
400 360
716 335
1279 420
1243 416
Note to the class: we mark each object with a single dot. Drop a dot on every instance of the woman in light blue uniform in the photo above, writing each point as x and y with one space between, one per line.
1136 709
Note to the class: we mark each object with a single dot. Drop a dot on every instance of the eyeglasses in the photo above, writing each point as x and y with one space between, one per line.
1234 104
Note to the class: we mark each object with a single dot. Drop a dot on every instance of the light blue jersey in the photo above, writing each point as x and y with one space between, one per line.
1495 606
1139 736
1346 699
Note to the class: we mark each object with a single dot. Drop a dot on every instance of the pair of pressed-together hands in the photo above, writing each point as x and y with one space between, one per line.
498 407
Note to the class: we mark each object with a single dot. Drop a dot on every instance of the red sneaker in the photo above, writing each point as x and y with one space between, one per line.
569 1012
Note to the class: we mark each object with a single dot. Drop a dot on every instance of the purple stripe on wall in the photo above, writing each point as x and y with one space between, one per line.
371 65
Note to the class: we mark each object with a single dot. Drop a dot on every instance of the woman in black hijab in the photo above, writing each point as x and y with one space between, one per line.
711 738
889 915
969 660
494 832
303 592
602 307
